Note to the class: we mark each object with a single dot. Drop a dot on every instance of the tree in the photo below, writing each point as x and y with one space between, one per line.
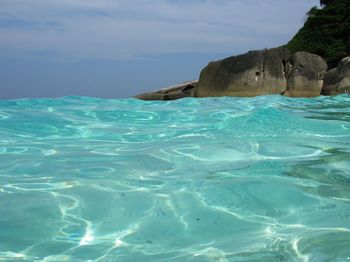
326 32
325 2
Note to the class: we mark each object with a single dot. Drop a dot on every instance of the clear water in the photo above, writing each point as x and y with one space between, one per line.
218 179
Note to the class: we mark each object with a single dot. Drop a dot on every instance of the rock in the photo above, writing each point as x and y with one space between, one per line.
304 74
252 74
330 82
337 80
182 90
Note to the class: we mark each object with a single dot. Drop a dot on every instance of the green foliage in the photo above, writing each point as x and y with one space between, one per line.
326 32
326 2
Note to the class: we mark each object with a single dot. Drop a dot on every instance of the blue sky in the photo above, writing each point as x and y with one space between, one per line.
118 48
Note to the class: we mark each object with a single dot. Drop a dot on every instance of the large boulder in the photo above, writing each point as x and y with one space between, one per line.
182 90
337 80
304 74
252 74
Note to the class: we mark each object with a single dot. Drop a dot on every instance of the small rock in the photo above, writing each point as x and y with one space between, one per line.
182 90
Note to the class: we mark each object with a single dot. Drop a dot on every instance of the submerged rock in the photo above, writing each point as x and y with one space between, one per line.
304 74
252 74
182 90
337 80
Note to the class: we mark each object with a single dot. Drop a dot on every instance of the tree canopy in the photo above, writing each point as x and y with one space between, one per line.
326 32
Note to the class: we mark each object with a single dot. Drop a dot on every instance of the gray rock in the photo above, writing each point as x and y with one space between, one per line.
304 73
330 82
252 74
182 90
337 80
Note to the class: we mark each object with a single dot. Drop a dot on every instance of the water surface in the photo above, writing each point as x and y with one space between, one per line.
216 179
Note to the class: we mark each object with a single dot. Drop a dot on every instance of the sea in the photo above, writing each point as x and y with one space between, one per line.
212 179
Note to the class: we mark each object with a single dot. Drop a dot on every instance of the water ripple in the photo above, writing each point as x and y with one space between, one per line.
214 179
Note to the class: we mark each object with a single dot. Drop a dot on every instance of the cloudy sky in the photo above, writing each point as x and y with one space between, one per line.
118 48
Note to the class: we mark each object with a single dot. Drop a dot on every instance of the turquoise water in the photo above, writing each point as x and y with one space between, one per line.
217 179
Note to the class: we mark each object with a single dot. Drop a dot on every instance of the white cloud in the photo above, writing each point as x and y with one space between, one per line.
107 29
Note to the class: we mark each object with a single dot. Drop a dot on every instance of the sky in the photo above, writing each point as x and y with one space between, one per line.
120 48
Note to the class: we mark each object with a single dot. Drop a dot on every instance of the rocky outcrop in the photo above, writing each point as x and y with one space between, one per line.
264 72
182 90
304 74
252 74
337 80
